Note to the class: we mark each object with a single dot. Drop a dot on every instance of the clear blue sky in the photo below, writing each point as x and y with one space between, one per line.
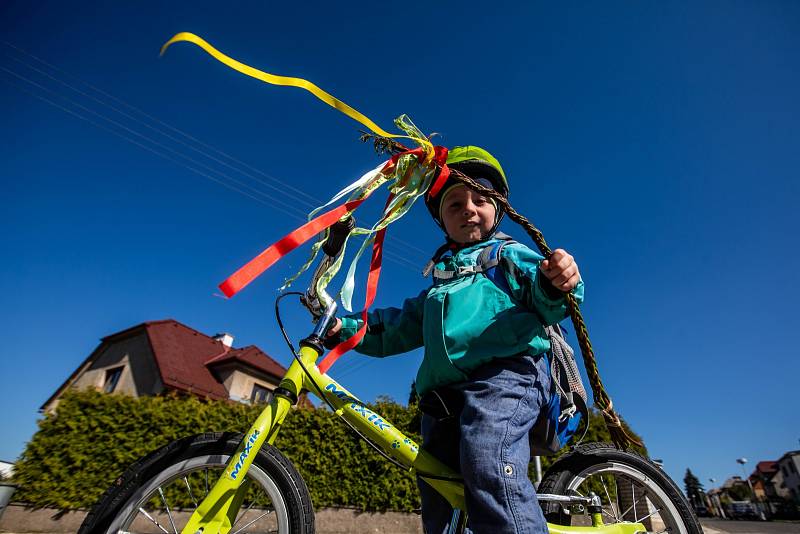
657 142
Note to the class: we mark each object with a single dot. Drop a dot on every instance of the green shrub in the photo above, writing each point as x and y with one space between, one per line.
92 438
79 451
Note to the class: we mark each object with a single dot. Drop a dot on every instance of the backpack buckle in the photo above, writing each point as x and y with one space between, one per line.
466 269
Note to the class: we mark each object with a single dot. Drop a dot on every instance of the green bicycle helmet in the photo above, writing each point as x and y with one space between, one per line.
479 165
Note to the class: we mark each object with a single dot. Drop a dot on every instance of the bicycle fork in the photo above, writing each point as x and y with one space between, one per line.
217 512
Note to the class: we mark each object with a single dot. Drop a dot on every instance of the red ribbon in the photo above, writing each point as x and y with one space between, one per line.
372 290
440 157
252 269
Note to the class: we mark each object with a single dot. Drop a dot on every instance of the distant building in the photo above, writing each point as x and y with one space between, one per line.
789 467
160 356
762 480
6 469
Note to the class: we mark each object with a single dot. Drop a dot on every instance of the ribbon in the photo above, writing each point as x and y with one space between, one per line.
255 267
252 269
440 158
372 290
290 81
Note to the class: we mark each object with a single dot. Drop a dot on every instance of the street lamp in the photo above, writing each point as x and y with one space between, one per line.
742 461
753 499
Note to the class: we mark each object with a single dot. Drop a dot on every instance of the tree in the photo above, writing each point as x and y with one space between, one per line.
412 395
693 488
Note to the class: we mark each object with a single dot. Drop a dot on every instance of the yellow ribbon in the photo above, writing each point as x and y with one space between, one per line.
293 82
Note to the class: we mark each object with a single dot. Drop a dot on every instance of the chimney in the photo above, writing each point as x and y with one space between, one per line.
225 338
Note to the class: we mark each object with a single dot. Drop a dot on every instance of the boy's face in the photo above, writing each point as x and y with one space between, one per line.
466 215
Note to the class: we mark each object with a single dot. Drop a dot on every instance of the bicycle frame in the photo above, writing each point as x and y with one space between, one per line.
217 512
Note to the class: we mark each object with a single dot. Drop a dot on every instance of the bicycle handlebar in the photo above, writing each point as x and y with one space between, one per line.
319 302
339 232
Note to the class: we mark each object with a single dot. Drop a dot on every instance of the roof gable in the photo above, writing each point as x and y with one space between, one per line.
180 353
185 358
767 467
251 356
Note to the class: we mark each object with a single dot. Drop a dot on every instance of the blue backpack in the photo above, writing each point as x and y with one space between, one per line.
562 417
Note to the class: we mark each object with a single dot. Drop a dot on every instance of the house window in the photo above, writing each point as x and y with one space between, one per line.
260 394
112 378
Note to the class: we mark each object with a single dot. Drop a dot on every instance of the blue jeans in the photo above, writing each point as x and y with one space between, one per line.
488 443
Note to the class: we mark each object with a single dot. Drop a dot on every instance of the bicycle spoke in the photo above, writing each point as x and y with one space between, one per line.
156 523
609 515
189 489
648 516
206 481
633 498
633 506
253 521
603 482
242 514
169 513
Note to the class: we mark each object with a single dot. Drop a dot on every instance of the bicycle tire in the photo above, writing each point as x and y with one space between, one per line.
271 471
659 497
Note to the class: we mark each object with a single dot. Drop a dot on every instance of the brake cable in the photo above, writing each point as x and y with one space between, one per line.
322 396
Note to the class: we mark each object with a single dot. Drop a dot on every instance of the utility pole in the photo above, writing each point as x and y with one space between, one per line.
715 499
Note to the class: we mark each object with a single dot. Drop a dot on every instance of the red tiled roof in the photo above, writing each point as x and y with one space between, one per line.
252 356
767 467
182 355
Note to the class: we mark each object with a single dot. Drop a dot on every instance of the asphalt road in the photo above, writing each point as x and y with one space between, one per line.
750 527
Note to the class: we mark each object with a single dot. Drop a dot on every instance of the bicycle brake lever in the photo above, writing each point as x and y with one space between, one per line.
313 305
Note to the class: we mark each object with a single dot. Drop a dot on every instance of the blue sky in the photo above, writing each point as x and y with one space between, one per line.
657 142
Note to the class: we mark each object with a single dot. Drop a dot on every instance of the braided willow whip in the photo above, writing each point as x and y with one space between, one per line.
601 399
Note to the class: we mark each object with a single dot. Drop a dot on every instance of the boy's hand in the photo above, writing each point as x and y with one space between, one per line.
333 330
561 270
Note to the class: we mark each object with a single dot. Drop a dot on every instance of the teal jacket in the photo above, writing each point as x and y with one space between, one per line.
465 322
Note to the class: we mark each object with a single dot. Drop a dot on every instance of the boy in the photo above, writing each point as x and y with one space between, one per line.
484 364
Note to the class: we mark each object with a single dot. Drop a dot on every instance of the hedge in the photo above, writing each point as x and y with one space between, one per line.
82 448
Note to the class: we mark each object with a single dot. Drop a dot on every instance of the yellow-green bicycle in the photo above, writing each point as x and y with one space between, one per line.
242 483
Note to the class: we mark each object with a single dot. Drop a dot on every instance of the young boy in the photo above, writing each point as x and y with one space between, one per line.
484 363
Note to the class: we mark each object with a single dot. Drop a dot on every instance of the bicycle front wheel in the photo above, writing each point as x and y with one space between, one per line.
631 488
159 492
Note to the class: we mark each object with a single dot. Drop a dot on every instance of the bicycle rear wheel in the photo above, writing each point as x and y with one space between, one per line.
159 492
631 488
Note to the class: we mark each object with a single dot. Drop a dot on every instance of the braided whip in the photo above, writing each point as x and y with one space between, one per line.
601 399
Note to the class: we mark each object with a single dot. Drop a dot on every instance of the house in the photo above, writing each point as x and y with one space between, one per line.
761 479
789 466
161 356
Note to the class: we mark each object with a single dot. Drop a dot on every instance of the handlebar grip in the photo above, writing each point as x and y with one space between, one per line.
339 232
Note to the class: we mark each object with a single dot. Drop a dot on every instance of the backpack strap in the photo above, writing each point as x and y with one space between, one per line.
566 377
438 255
488 259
